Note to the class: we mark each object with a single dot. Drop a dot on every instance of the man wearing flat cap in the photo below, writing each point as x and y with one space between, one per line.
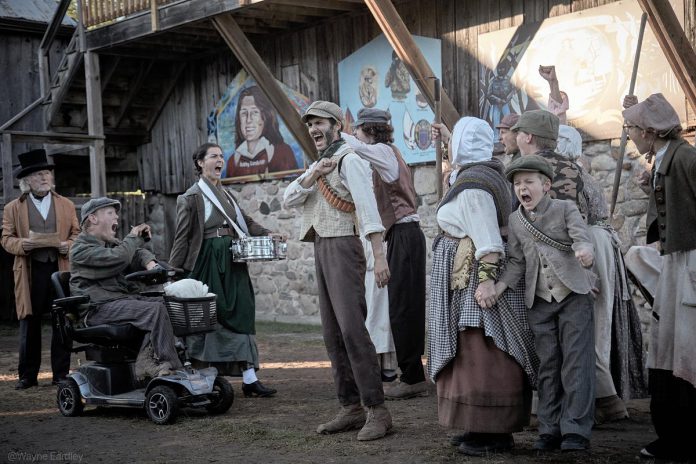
373 141
537 134
98 265
507 136
338 203
654 127
38 228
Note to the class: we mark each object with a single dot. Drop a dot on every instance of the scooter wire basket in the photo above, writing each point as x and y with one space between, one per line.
192 315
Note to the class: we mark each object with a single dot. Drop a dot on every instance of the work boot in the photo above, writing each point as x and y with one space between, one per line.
378 423
350 417
609 409
402 391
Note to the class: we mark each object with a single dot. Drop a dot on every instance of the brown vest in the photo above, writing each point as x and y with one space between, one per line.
47 226
395 200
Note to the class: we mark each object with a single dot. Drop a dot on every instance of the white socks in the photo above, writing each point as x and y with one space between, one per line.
249 376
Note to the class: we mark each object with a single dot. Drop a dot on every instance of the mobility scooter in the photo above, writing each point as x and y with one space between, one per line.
108 377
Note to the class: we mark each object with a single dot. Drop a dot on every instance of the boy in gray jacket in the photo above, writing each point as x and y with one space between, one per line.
549 246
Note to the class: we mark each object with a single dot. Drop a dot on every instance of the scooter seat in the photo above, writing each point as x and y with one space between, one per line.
107 334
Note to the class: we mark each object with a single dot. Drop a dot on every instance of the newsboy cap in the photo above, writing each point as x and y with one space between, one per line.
529 163
32 161
541 123
95 204
373 115
654 112
508 121
324 109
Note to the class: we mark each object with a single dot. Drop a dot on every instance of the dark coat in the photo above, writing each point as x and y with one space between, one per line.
190 222
671 215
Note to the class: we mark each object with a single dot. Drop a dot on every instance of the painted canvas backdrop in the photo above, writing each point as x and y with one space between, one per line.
374 77
593 53
221 129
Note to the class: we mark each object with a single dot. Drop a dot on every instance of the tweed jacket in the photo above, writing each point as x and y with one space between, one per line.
98 269
671 215
190 222
560 220
15 228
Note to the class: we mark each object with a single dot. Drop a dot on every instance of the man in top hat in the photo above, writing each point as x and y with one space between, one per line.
373 141
508 137
338 203
98 265
654 127
38 228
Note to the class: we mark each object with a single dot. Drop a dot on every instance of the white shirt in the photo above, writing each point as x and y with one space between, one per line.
659 155
43 204
472 214
383 160
356 176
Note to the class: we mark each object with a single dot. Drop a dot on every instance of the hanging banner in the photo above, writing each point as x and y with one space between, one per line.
593 53
255 141
374 77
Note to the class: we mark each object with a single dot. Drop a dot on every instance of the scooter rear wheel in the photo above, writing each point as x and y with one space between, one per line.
222 402
162 405
69 399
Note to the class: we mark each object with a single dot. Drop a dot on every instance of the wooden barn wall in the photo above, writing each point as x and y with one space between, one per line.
307 59
20 79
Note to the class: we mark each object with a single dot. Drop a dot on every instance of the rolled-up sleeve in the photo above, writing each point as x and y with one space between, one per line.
357 177
295 195
380 156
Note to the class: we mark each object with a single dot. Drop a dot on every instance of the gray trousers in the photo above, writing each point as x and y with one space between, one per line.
340 266
564 341
147 314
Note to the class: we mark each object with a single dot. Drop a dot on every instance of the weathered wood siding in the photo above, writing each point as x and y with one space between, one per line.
306 60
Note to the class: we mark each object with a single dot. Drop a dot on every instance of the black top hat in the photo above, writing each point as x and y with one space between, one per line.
32 161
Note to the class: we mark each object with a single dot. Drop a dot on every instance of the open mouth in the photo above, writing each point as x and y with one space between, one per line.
318 138
525 198
114 227
218 169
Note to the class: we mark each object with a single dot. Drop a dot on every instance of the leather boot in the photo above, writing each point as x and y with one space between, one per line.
348 418
378 423
609 409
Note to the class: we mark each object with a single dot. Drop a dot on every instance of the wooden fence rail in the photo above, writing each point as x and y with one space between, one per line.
102 12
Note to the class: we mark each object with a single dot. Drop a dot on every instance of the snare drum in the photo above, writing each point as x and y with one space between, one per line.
258 249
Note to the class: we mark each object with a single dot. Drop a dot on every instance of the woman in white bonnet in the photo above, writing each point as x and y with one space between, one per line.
482 360
618 338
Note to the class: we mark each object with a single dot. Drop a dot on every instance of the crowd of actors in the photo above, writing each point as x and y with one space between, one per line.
528 287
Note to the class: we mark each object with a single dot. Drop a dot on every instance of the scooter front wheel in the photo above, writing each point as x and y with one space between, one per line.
162 405
69 398
222 398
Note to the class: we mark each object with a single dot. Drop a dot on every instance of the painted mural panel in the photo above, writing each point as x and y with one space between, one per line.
374 77
255 141
593 52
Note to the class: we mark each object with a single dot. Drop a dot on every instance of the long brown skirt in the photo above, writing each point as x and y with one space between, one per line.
482 389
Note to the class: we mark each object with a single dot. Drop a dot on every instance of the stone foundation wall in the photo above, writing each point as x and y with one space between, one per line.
286 290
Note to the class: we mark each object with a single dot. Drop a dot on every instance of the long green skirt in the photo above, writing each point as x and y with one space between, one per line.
231 348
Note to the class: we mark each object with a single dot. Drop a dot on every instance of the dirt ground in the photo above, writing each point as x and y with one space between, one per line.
268 430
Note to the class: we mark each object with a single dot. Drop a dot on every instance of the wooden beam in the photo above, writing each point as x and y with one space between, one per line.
95 125
252 62
406 49
167 89
338 5
154 16
674 43
133 90
7 168
52 137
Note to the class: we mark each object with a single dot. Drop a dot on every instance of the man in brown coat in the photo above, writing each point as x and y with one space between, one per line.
38 228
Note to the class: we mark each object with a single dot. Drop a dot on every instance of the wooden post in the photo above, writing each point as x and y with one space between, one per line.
674 43
252 62
81 26
7 171
438 142
154 15
406 49
95 125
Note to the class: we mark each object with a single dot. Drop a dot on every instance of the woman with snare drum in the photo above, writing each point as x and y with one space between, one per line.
201 247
